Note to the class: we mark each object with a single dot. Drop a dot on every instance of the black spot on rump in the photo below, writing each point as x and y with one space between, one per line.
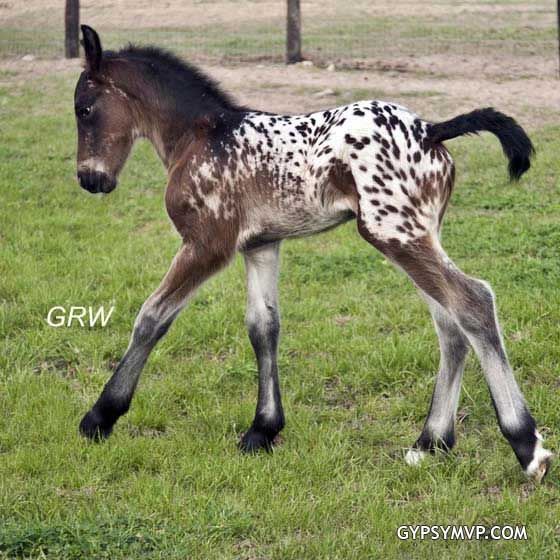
403 128
407 211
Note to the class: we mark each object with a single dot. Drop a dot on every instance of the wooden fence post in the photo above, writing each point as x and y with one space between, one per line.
558 17
71 29
293 32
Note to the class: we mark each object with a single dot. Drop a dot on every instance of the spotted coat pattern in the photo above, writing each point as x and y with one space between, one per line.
243 180
276 176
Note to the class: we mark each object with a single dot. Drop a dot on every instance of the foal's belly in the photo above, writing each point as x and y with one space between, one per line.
302 223
290 221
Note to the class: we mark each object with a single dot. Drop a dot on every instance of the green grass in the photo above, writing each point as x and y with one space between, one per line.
358 356
339 34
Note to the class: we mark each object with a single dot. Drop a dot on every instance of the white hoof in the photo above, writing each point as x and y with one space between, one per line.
540 464
414 457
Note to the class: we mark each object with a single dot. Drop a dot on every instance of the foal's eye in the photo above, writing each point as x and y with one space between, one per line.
84 112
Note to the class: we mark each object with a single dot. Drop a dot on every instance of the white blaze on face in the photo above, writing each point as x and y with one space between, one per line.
92 164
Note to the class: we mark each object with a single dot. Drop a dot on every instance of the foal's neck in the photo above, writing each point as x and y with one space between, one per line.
167 132
168 113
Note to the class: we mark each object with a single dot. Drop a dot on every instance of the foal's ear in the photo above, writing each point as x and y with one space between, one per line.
92 48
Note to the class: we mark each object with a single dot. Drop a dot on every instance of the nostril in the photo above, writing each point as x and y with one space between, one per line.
84 178
94 181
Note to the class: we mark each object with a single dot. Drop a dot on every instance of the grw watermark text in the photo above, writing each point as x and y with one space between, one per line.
59 317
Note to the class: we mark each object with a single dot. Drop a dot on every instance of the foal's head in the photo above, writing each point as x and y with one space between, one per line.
105 120
138 91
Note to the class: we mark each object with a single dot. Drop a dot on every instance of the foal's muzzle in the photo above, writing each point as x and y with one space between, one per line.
96 181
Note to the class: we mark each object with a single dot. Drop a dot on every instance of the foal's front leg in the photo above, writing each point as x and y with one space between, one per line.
189 269
263 323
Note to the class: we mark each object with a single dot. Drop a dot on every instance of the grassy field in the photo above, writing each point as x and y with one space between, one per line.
358 357
248 30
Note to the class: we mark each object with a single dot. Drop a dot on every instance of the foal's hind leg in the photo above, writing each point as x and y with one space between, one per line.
471 304
263 324
188 270
439 428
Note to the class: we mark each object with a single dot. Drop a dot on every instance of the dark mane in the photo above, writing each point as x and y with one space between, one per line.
187 84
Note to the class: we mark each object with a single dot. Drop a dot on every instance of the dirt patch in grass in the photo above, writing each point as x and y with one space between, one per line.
176 13
58 365
432 88
444 68
435 87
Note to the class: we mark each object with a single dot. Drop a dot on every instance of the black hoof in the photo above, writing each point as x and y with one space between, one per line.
428 444
94 427
254 440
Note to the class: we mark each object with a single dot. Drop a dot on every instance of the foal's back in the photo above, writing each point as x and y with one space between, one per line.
276 176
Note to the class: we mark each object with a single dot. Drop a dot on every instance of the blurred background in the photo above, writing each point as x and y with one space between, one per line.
333 31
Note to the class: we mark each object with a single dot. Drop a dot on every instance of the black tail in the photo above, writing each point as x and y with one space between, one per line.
516 144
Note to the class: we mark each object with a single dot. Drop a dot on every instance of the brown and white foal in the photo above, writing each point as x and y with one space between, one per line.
242 180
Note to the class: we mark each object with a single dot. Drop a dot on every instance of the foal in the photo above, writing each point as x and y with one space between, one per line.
243 180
